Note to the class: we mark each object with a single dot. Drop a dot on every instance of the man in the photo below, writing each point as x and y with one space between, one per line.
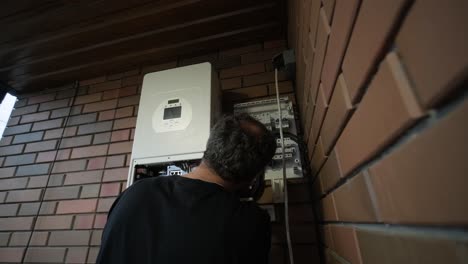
197 218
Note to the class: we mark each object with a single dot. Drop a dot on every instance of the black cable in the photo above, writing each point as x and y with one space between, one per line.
41 200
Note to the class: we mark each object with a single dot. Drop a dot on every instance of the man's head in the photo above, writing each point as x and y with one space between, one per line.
239 148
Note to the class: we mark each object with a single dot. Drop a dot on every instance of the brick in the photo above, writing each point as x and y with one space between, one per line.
11 150
82 119
106 115
105 204
35 117
346 243
69 238
262 78
91 151
54 104
44 125
100 221
109 85
41 146
120 135
246 93
24 195
110 189
83 221
323 32
328 7
437 51
57 133
11 255
321 108
76 206
11 184
20 159
63 154
92 254
76 255
96 238
90 191
5 141
96 163
376 21
2 196
7 172
60 193
338 113
129 100
21 102
45 254
15 223
231 83
55 222
299 213
4 237
68 166
62 112
345 13
66 94
240 50
9 209
328 208
100 106
327 236
24 110
126 91
28 209
260 56
115 174
29 137
76 141
353 201
36 169
283 87
41 98
21 238
110 94
318 157
83 177
101 138
134 80
439 150
121 147
124 112
95 80
330 173
382 246
124 123
242 70
13 121
95 127
115 161
373 126
17 129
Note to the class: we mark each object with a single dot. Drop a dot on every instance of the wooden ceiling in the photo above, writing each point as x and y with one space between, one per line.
50 42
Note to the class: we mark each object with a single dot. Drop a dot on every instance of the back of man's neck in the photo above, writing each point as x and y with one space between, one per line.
205 173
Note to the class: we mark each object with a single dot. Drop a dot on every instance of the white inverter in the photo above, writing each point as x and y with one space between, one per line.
177 109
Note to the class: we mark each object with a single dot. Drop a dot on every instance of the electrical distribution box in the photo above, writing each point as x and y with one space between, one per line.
266 111
177 109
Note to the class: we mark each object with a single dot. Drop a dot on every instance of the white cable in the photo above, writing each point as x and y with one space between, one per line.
285 183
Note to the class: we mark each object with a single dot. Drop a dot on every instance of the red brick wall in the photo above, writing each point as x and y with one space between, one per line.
383 101
91 167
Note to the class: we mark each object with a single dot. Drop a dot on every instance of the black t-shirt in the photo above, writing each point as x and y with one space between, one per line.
181 220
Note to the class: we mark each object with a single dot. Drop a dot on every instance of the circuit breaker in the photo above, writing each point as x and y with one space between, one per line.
266 111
